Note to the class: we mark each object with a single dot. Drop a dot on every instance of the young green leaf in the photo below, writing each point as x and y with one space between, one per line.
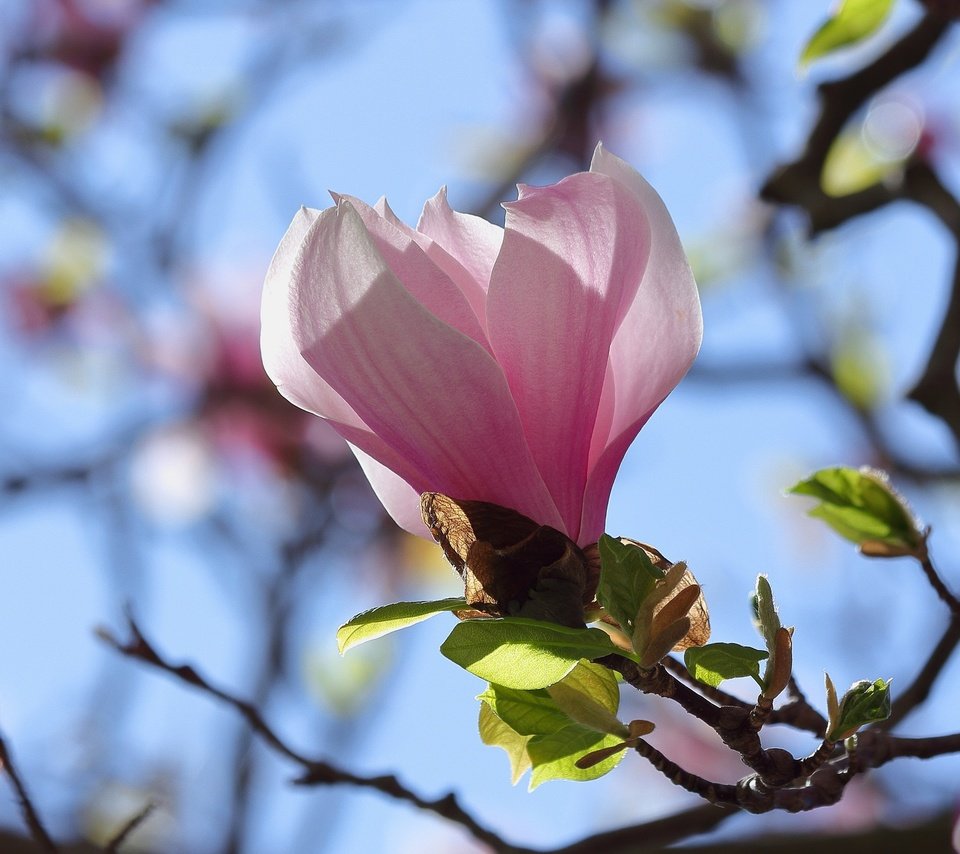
861 506
378 622
554 756
496 733
864 703
833 704
779 667
521 653
526 712
852 22
768 621
590 695
595 681
627 576
715 662
779 641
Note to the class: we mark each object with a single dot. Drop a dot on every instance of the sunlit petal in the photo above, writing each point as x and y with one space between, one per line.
573 256
654 346
433 395
420 275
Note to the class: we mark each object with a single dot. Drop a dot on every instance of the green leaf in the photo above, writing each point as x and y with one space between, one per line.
378 622
590 695
833 705
861 506
849 167
496 733
859 363
519 653
627 576
554 756
768 621
595 681
852 22
775 672
864 703
526 712
715 662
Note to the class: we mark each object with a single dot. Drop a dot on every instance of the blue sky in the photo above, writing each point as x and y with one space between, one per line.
409 98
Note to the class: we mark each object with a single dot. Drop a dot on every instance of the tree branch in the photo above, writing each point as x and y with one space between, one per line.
316 771
30 815
930 571
798 183
920 689
121 836
663 831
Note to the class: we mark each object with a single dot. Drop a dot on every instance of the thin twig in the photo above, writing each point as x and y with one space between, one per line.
678 669
937 390
920 689
662 831
317 771
937 584
720 794
798 183
30 815
113 846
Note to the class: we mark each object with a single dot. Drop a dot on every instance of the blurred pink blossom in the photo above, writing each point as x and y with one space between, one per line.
512 365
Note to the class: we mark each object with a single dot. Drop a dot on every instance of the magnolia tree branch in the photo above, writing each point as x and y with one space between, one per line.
781 781
937 390
798 713
124 833
316 772
946 596
798 183
884 455
718 696
921 687
30 815
652 834
733 723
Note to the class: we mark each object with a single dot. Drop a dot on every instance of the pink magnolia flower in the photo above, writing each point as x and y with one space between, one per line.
511 365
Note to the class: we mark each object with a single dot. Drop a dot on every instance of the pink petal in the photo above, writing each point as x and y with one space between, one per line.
294 378
572 258
434 396
427 281
473 291
399 499
282 361
472 242
653 348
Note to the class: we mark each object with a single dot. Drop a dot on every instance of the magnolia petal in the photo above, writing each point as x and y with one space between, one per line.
472 241
396 495
294 378
435 397
661 335
572 258
664 326
474 292
430 284
596 495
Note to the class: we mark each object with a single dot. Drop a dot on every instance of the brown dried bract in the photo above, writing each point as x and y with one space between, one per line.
699 632
510 565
